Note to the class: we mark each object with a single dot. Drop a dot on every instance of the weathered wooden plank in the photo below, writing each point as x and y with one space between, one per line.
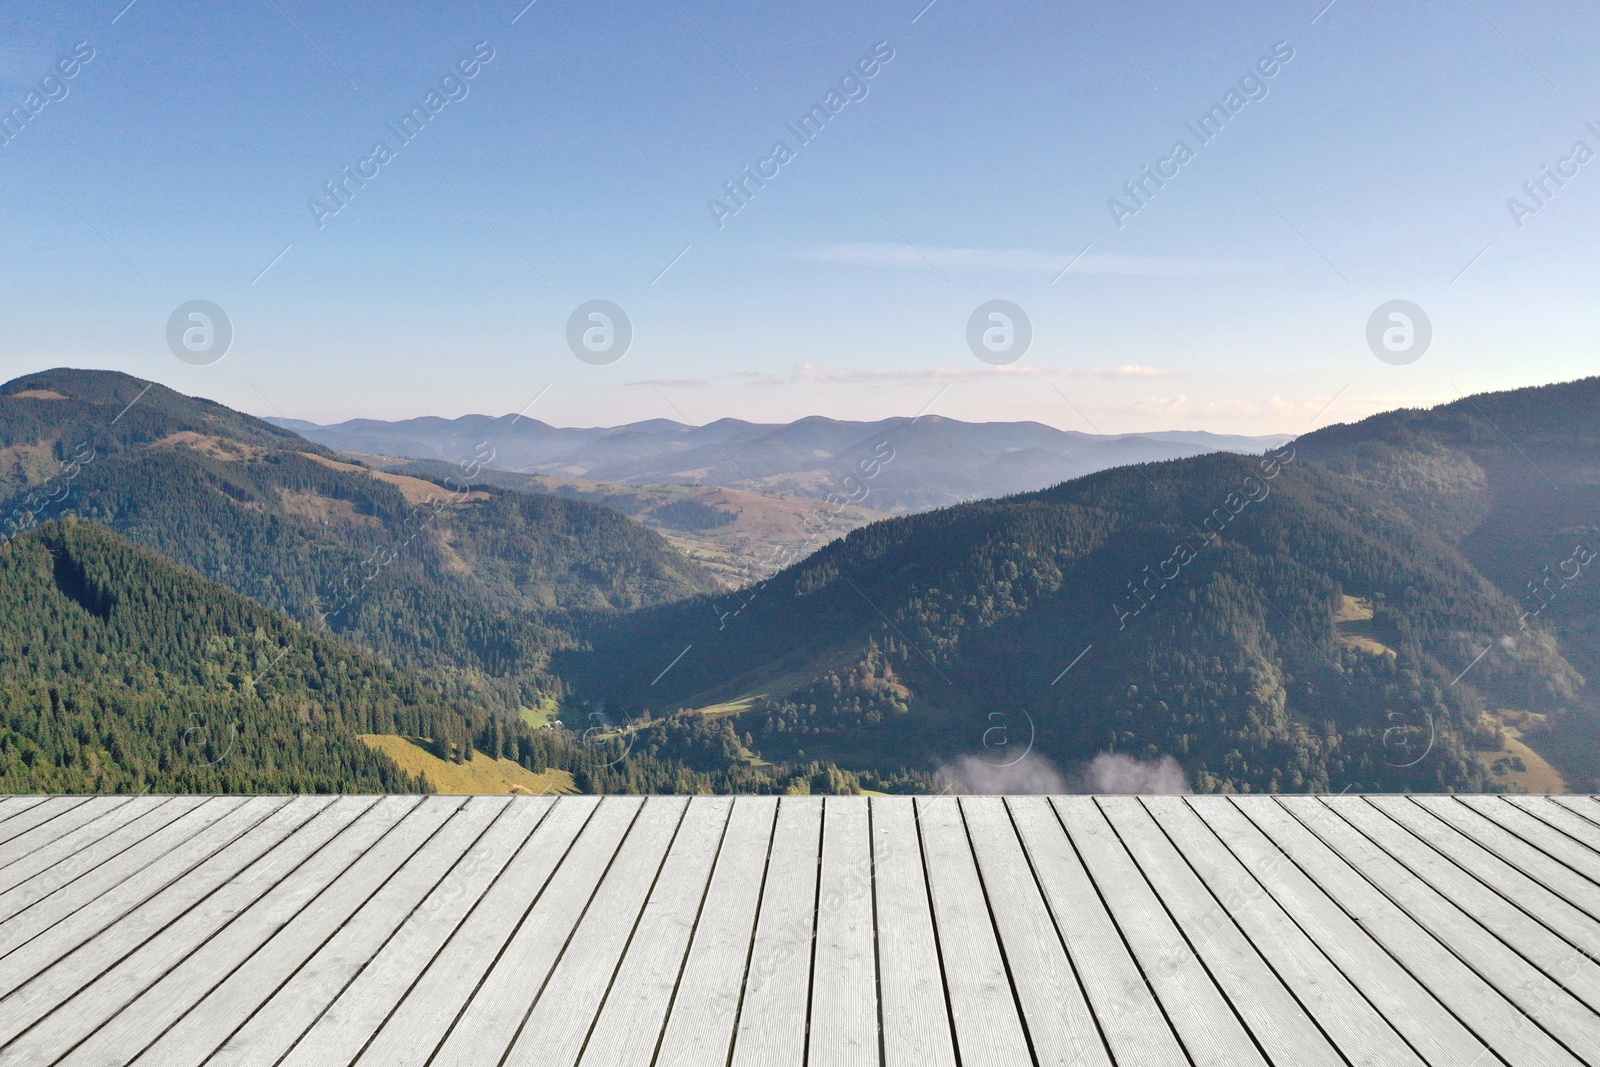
56 838
631 1021
1125 1008
1586 808
413 1030
348 1024
121 962
988 1024
1476 1004
1279 1023
143 1019
1410 1007
705 1005
1356 1028
1551 1009
1562 817
1407 833
772 1015
16 805
31 862
485 1030
558 1022
1531 845
1060 1025
1201 1015
1426 930
227 1006
916 1020
37 937
38 814
844 982
162 812
286 1011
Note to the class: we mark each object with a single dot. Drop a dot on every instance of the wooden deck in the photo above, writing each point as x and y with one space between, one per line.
385 931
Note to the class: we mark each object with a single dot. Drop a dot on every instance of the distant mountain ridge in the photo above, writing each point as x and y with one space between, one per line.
378 610
1405 603
937 461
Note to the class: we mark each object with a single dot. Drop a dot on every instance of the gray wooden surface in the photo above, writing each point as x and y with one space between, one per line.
1113 931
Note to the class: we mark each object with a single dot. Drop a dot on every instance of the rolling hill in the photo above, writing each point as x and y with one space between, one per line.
474 583
122 672
737 535
1347 612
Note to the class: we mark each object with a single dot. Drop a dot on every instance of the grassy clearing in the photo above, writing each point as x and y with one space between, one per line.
484 775
1353 622
1518 767
548 711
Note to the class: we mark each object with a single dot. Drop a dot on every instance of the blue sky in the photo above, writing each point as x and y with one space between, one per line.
977 165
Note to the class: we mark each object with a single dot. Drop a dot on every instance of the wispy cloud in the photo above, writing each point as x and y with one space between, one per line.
869 254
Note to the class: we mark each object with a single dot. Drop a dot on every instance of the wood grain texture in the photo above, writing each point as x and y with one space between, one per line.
1062 1028
777 987
416 1028
558 1024
1279 1023
1561 817
143 1019
1410 1007
158 813
1417 931
916 1021
1351 1024
983 1007
844 984
489 1024
635 1011
352 1020
1210 1030
298 1002
1125 1008
66 919
1407 835
40 811
96 983
705 1004
1391 899
232 1001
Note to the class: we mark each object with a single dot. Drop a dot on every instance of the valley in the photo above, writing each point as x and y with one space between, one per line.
1368 607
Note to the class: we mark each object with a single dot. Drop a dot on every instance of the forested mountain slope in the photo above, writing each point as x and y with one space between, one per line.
1346 612
474 583
120 672
123 672
1513 481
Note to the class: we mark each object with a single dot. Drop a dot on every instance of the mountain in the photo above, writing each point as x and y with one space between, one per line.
123 672
1512 482
474 583
122 669
1348 611
737 535
922 463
